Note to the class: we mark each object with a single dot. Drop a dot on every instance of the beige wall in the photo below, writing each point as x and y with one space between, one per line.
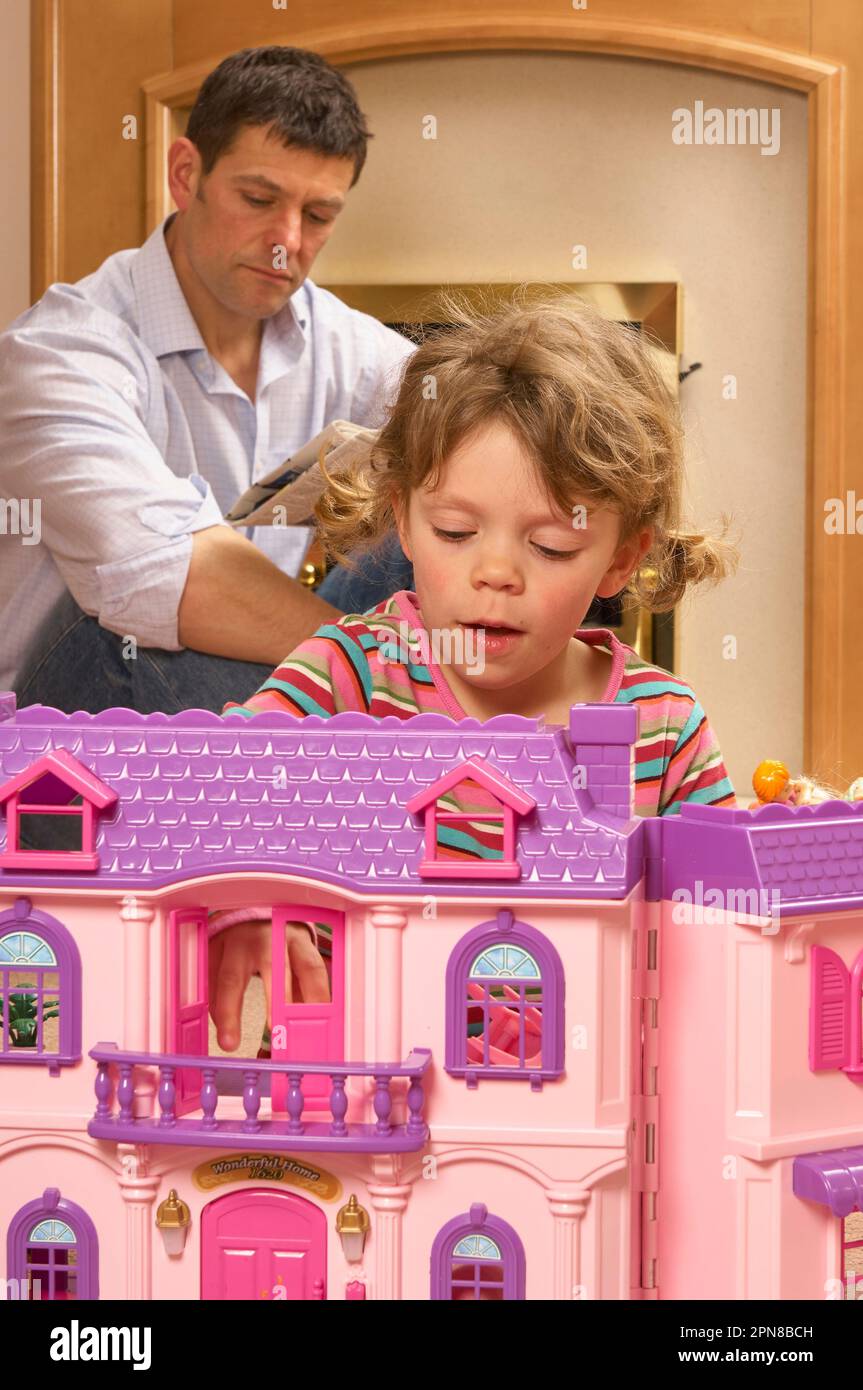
14 158
538 151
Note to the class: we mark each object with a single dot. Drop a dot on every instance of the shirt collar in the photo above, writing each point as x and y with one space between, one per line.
166 323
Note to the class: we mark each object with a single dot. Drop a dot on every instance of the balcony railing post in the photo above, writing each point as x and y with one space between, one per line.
338 1104
104 1091
209 1098
383 1104
415 1106
167 1096
251 1101
126 1093
295 1103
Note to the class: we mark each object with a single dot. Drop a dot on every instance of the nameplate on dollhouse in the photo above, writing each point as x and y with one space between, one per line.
254 1167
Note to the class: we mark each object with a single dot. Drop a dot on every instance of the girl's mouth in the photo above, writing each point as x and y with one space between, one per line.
494 641
495 629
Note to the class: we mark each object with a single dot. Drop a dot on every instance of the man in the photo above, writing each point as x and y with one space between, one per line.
136 406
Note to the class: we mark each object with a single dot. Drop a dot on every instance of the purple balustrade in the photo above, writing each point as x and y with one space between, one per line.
126 1092
301 1130
251 1101
209 1098
167 1096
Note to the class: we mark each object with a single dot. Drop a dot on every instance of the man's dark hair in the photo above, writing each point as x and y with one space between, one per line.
308 103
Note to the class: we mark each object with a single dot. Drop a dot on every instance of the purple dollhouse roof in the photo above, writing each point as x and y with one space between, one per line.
329 797
802 859
200 793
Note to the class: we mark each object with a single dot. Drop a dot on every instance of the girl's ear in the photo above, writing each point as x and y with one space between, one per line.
399 511
625 562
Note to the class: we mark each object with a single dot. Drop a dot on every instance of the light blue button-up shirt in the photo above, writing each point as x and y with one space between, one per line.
120 436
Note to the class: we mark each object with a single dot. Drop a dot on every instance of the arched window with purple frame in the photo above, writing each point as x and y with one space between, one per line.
505 1004
40 990
53 1250
477 1258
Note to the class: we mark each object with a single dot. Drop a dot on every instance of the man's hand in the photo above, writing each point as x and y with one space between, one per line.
217 616
238 953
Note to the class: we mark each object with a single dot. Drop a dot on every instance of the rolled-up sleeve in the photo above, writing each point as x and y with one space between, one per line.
117 521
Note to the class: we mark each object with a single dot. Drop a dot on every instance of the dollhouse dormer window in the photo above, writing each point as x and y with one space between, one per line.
505 1004
470 823
53 805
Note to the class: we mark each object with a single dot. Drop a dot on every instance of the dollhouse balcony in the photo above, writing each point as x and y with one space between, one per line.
116 1097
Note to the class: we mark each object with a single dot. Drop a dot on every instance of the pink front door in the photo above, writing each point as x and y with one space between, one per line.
308 1032
188 1014
263 1244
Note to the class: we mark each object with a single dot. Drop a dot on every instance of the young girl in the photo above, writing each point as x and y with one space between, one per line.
532 461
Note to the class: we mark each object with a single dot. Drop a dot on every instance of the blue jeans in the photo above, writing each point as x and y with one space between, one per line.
73 663
378 574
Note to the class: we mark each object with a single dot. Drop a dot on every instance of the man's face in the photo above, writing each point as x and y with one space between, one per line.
253 227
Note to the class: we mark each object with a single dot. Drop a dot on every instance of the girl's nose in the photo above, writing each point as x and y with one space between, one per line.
498 570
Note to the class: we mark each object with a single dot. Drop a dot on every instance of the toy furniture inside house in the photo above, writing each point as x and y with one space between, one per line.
616 1057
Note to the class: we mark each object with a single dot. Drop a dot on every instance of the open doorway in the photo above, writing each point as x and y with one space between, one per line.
297 1030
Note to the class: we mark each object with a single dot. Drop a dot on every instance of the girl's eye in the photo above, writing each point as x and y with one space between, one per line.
455 536
555 554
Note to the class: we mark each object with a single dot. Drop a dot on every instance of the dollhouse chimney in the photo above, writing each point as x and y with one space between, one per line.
603 739
7 704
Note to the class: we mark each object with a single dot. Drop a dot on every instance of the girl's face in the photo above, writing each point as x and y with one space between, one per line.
489 552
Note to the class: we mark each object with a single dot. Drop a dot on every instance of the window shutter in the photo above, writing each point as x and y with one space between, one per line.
830 1012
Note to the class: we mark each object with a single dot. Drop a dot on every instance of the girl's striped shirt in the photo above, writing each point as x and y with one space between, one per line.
380 663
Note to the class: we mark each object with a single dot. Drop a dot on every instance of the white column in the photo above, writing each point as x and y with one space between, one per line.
138 1191
137 917
388 923
567 1209
389 1201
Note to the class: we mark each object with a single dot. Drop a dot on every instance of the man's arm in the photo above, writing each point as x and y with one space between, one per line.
141 549
237 603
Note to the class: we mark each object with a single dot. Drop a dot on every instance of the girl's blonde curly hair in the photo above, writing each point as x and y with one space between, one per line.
588 402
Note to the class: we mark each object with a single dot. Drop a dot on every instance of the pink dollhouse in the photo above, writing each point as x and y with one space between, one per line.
612 1057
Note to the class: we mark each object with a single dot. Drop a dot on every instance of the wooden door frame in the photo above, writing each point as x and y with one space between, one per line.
826 664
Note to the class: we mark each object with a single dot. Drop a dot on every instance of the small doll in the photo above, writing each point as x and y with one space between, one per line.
771 782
